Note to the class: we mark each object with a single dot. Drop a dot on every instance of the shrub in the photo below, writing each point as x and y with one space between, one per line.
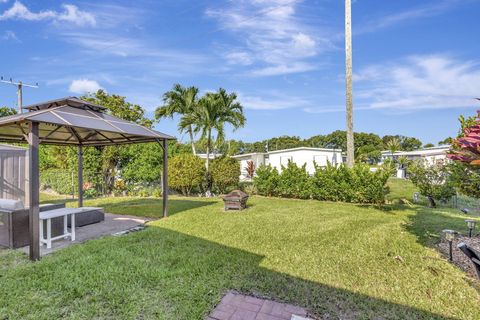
294 182
266 180
357 184
185 172
60 181
433 182
225 174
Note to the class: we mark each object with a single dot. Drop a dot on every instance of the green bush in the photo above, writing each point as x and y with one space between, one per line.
433 181
60 181
294 182
185 172
267 180
357 184
225 174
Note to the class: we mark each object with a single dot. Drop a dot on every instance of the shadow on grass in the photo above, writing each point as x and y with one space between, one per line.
141 207
164 272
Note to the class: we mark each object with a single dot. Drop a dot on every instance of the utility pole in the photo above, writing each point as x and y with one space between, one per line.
348 83
19 86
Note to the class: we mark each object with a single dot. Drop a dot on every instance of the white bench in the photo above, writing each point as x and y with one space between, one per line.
49 215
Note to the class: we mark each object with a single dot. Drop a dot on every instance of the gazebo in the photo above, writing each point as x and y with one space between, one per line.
72 122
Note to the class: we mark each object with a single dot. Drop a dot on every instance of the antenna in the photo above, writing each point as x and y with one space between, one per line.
19 86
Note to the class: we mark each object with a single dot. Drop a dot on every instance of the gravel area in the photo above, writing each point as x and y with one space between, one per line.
459 258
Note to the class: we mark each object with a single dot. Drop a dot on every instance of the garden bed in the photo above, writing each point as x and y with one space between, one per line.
459 258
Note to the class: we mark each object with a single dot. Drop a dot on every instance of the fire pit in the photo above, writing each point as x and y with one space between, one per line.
235 200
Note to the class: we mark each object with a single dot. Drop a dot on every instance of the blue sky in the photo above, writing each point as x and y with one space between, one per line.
416 63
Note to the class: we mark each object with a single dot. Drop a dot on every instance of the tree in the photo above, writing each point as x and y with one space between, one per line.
225 174
406 143
393 145
446 141
465 151
182 101
433 181
429 145
7 111
250 168
348 81
185 172
213 111
368 154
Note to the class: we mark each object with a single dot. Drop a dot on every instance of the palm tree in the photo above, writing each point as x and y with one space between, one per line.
393 145
348 82
180 100
213 111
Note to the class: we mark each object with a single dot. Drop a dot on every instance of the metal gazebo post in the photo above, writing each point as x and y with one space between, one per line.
165 177
80 176
34 190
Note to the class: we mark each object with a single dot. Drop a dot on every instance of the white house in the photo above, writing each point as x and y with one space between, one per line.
431 155
300 156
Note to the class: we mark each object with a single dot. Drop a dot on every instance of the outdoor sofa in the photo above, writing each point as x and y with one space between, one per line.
14 223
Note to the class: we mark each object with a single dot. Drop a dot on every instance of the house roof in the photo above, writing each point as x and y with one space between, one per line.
7 147
306 149
287 150
72 121
421 152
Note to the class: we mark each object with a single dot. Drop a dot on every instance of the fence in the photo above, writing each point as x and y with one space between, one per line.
458 201
96 184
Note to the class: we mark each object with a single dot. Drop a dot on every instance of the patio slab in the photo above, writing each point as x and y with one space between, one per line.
113 224
235 306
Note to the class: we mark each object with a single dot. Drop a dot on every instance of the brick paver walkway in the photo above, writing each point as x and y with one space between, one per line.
236 306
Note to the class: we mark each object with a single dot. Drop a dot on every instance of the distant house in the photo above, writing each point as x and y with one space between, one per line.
299 156
211 156
431 155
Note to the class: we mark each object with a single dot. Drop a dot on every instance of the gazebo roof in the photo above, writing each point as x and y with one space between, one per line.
72 121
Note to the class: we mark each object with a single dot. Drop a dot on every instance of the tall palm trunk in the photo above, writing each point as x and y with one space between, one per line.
192 142
207 164
348 82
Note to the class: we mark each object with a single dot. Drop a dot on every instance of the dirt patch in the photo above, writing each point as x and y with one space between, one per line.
459 258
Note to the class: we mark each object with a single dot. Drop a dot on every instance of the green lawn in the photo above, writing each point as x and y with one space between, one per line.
339 260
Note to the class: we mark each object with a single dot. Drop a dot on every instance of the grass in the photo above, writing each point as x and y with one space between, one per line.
339 260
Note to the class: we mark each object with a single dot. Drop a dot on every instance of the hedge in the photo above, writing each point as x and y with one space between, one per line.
332 183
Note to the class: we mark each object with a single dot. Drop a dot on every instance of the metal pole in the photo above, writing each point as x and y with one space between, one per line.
19 97
470 232
80 176
165 178
34 221
450 251
348 83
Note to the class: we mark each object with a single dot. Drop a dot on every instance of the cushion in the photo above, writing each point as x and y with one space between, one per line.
9 204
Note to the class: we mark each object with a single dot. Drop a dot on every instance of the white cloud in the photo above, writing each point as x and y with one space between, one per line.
82 86
239 57
420 12
419 82
71 14
10 35
271 101
74 15
273 38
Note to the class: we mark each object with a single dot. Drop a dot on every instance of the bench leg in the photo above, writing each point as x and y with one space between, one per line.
49 233
65 226
73 227
41 233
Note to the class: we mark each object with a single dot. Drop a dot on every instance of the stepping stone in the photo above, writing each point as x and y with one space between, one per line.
235 306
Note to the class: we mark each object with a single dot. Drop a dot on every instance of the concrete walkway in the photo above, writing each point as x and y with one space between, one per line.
236 306
114 223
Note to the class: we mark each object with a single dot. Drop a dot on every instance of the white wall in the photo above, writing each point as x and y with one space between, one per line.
301 157
258 159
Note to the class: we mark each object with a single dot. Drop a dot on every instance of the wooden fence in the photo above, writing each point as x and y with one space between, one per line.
13 173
